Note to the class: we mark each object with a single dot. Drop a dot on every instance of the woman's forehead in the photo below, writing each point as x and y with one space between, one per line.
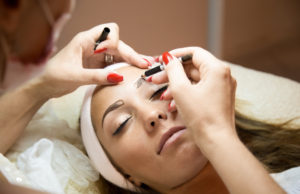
130 72
104 95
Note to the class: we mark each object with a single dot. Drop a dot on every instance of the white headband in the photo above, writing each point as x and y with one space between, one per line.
92 145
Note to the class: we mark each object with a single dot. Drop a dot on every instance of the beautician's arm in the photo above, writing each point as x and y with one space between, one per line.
207 108
17 109
63 74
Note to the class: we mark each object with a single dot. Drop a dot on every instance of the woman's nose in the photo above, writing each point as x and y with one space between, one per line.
154 119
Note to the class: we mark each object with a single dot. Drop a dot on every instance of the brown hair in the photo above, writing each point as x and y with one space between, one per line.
277 147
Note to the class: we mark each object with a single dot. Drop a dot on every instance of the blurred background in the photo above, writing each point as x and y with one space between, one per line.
259 34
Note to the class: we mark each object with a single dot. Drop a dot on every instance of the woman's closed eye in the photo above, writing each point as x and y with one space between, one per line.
154 95
121 126
159 91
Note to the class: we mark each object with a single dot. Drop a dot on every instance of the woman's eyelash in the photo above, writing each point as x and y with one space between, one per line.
159 91
118 130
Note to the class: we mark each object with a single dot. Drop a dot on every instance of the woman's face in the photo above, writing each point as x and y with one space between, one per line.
141 137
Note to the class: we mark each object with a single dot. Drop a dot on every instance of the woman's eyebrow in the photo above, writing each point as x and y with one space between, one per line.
112 107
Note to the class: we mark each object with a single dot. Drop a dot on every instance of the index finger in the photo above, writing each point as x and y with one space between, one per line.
131 56
201 57
112 37
183 51
87 39
96 31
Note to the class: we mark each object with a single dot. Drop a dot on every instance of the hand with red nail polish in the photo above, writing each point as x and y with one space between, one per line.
120 51
161 77
212 95
75 65
207 108
190 69
78 64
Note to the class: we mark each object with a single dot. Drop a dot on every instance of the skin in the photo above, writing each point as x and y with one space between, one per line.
68 69
134 149
180 169
213 127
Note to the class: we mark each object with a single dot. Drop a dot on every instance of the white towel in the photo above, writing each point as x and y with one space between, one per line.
51 165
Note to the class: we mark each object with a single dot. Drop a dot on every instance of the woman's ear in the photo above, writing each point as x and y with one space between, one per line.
10 14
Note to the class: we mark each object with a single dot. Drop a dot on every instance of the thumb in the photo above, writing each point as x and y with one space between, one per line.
100 77
175 72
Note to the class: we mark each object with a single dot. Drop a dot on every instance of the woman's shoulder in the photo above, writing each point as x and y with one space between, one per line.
289 180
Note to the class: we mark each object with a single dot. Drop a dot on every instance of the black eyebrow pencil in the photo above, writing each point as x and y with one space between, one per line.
161 66
102 37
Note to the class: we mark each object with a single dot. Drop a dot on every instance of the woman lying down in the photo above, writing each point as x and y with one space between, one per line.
140 142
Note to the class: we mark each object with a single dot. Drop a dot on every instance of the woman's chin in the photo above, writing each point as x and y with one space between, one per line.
190 160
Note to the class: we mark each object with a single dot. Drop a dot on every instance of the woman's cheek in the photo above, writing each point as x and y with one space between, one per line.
131 154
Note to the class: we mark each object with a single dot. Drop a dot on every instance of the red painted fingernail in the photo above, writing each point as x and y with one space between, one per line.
149 64
100 50
167 57
114 77
149 79
156 59
169 106
162 95
172 106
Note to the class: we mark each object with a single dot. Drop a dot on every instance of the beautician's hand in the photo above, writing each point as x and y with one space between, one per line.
207 105
76 64
207 108
112 45
190 69
65 72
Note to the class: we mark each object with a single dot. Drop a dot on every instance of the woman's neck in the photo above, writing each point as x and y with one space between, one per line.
207 181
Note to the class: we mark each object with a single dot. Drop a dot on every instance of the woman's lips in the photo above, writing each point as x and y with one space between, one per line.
168 134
